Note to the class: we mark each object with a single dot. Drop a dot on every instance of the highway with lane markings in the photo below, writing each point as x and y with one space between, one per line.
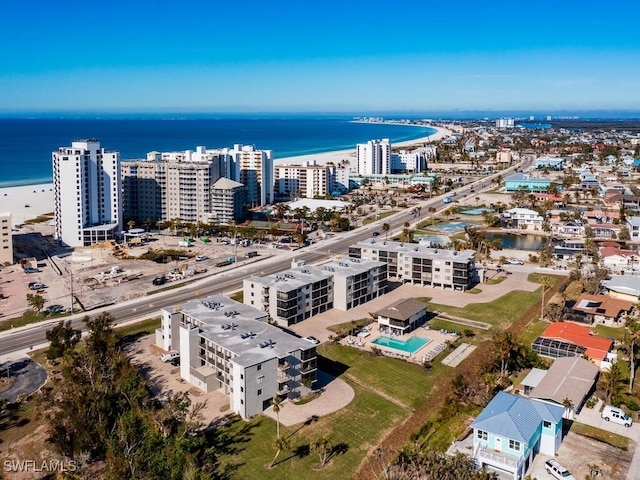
230 280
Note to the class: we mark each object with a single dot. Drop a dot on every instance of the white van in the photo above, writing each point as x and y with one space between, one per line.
616 415
170 356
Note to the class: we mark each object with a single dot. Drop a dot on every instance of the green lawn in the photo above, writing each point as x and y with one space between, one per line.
613 332
532 331
501 312
380 384
28 317
378 216
357 428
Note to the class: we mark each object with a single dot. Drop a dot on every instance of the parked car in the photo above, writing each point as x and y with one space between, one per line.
170 356
54 309
556 470
159 280
313 340
616 415
375 234
201 258
31 270
36 286
515 261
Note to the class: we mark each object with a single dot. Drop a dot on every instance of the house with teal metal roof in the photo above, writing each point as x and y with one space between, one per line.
512 430
524 181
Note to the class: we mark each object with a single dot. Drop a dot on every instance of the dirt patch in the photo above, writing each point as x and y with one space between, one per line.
578 452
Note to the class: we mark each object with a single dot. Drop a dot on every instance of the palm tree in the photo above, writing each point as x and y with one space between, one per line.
545 282
632 338
612 381
282 443
385 228
432 210
276 403
568 405
323 447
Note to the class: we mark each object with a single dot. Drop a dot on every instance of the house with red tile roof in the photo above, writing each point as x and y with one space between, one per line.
618 260
566 339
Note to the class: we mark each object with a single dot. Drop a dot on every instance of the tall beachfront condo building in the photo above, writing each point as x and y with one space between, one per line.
419 265
6 239
374 157
505 123
227 201
87 193
170 185
229 347
254 169
413 161
296 294
307 180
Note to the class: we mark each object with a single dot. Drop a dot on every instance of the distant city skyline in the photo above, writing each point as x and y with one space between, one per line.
405 57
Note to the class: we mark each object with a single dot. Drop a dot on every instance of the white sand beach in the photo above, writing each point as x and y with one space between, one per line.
26 202
350 154
29 201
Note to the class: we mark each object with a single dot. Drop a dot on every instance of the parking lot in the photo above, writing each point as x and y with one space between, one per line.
102 275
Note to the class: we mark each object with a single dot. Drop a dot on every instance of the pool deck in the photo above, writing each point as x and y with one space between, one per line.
437 343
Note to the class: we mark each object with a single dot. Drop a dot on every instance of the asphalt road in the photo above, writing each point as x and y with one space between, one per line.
229 280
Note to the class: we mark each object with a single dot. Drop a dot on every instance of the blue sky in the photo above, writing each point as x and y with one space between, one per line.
330 56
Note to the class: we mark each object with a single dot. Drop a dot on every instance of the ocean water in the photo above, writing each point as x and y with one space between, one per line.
26 144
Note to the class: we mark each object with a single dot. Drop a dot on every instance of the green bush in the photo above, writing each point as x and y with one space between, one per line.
632 404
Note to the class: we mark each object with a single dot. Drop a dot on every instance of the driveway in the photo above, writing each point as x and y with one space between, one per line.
28 376
336 394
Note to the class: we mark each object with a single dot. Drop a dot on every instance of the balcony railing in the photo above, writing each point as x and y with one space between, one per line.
496 458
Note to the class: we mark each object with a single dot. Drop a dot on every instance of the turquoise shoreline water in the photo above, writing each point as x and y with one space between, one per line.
26 144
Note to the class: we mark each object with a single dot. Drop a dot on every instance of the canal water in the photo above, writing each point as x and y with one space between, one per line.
518 242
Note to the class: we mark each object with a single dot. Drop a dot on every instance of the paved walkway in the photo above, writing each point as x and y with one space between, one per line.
336 394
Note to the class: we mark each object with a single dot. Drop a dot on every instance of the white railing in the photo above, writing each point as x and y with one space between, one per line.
498 458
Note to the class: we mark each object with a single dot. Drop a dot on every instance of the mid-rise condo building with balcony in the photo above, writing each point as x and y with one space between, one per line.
87 193
230 347
420 265
302 291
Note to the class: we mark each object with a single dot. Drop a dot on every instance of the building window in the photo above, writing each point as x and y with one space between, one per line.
242 389
546 424
259 391
260 379
482 435
513 445
260 367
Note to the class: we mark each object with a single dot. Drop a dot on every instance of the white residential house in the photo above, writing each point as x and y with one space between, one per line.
230 347
633 224
522 219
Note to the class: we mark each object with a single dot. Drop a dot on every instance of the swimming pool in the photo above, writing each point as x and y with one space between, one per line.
410 346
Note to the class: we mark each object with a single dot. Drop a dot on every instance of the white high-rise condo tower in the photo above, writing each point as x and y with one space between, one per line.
374 157
87 192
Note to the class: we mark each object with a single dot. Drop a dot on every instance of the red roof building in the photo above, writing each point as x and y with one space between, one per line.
578 336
